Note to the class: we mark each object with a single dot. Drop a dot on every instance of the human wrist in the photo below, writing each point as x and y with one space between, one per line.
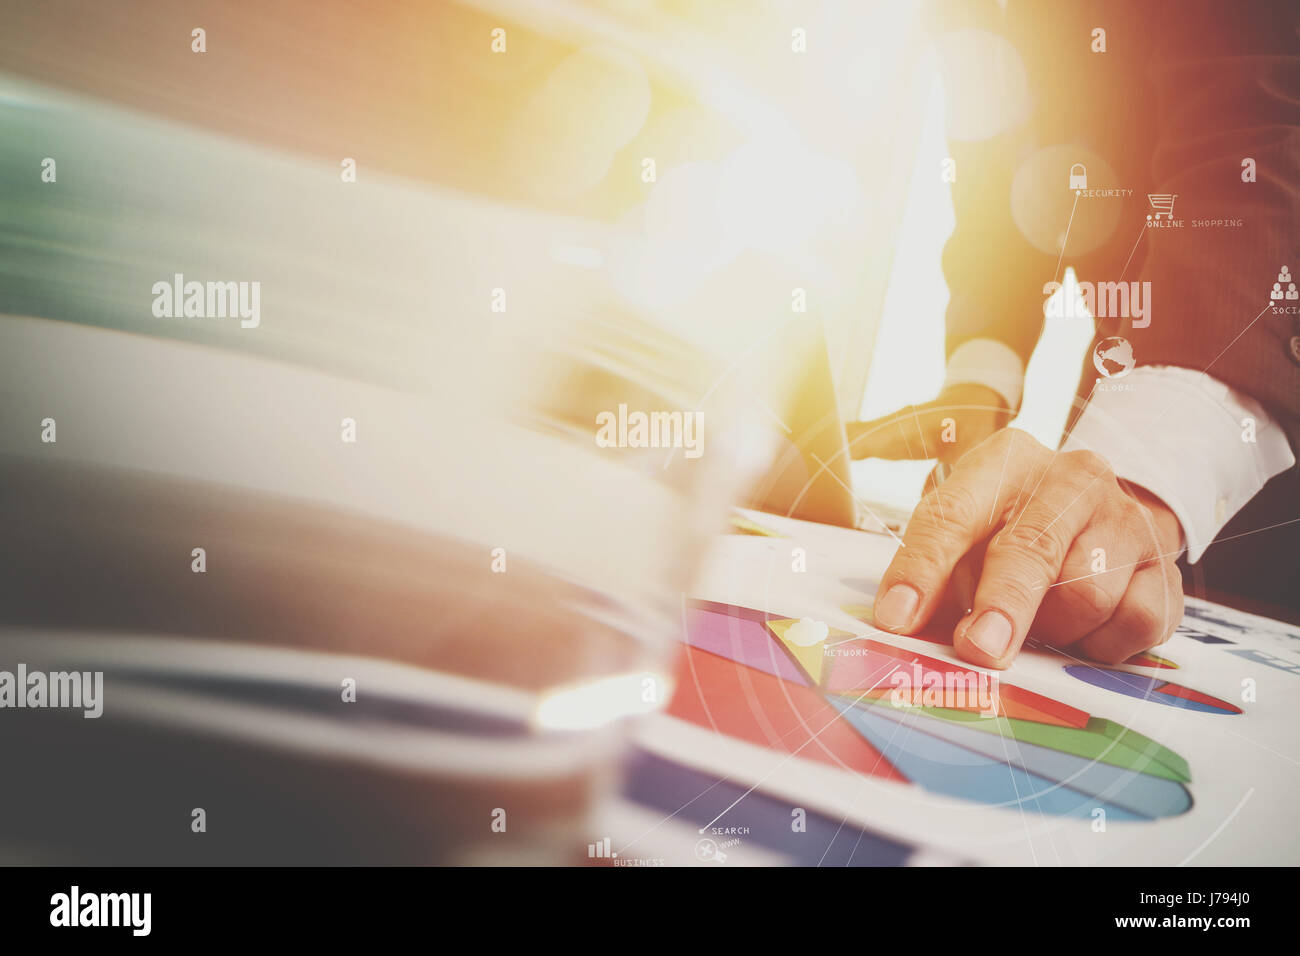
990 363
1168 529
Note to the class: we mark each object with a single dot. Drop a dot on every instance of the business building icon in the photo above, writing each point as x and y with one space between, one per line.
600 850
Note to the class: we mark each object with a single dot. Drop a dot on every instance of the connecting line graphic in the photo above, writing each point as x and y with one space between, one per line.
1165 410
1173 554
711 786
1011 771
1142 233
825 468
925 453
1206 369
1210 839
794 752
1055 276
1055 454
1065 239
1106 751
910 723
727 372
1047 527
861 784
1011 443
857 637
775 417
1263 747
1159 416
1267 306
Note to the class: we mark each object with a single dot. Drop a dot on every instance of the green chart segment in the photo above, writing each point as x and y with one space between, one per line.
1100 739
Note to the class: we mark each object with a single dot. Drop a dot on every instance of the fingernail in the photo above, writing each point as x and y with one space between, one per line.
898 605
991 633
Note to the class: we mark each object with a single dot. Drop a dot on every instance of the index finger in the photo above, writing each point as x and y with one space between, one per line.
1027 555
951 520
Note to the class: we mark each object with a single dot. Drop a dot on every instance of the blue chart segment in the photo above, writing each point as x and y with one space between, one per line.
1153 689
936 753
963 760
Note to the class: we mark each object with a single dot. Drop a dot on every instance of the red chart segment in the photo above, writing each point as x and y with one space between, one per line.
742 702
872 668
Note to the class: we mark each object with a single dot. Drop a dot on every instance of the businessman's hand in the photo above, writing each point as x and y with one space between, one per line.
1068 552
946 428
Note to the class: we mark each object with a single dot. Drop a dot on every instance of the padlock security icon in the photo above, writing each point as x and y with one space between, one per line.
1078 176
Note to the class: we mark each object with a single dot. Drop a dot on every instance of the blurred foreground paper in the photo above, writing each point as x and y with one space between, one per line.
381 466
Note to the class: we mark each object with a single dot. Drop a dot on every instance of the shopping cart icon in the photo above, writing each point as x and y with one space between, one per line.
1162 204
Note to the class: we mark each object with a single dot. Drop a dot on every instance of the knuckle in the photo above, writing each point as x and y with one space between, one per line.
1027 444
1131 513
1088 463
1087 600
956 503
1001 439
993 448
1145 623
1016 594
925 524
923 558
1153 621
1045 547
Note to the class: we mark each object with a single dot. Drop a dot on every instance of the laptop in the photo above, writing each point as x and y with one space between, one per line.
810 477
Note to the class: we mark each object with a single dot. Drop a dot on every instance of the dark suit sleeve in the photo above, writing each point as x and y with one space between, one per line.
994 275
1182 95
1226 85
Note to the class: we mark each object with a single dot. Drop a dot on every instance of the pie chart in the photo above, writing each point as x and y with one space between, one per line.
1151 688
1147 659
871 708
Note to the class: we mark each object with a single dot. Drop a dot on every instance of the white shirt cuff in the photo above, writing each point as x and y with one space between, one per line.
990 363
1187 438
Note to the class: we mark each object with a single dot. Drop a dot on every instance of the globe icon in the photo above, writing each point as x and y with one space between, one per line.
1113 357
